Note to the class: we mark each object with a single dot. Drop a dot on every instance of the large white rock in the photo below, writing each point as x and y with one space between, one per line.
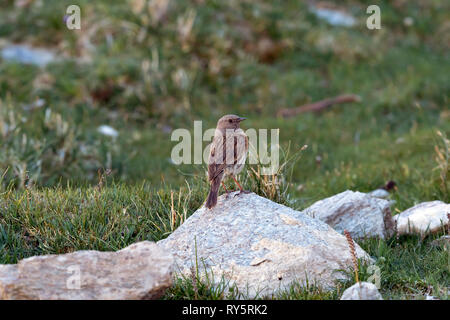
362 215
362 291
140 271
423 218
259 245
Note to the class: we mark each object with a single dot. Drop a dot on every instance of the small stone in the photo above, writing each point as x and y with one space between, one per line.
424 218
379 193
443 241
108 131
408 21
334 17
25 54
362 291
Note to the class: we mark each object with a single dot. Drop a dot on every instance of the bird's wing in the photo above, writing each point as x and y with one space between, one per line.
240 147
217 155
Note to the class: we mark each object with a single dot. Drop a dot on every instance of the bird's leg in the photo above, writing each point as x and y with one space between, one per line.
226 190
240 187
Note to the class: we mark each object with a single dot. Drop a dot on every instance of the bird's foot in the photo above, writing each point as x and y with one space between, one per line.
228 192
242 192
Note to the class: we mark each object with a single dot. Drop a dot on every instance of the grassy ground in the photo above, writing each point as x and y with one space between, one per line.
146 76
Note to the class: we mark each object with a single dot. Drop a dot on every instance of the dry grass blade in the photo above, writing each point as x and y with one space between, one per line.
443 158
173 213
194 282
351 245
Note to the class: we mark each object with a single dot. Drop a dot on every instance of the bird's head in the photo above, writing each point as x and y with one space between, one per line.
229 121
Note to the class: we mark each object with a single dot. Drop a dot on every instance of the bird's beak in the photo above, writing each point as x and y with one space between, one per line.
242 119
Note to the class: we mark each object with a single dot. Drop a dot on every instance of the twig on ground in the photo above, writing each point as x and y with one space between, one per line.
318 106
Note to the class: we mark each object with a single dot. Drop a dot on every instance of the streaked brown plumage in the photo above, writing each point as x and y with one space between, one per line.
227 155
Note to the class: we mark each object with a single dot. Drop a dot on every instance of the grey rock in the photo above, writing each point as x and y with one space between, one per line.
379 193
362 291
139 271
360 214
259 246
424 218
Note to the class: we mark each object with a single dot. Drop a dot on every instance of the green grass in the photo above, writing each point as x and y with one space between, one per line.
111 217
144 78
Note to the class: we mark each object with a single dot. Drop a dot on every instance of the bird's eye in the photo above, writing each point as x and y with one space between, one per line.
230 121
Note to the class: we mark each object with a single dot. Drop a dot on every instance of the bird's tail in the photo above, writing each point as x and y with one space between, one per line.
211 201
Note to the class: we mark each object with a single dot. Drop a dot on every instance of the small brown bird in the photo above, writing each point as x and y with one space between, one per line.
227 155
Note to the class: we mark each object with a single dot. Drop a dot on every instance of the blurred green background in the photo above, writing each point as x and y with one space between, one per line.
146 68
